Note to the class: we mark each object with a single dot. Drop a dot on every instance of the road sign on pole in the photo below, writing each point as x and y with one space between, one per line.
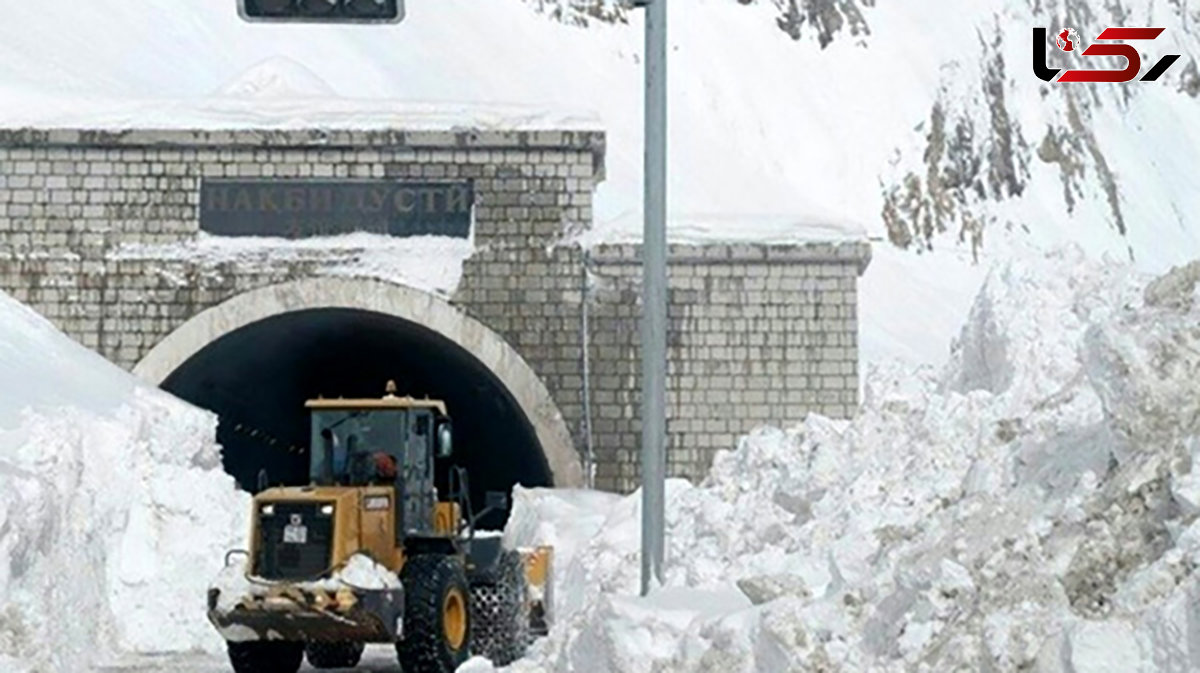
322 11
654 297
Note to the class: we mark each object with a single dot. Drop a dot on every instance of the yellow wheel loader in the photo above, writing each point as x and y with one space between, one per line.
434 588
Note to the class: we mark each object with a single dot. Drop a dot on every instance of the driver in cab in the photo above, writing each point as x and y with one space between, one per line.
351 465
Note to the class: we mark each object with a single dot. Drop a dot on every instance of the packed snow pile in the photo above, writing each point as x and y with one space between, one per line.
1033 507
430 263
362 572
114 508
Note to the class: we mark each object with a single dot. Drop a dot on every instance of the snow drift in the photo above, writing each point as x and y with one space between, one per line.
114 509
1033 506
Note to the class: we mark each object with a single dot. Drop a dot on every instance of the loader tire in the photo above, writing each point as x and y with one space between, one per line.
334 655
437 617
500 613
265 656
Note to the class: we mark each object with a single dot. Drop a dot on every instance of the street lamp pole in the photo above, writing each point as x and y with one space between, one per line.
654 296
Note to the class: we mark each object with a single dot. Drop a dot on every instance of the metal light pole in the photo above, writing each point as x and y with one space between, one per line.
654 296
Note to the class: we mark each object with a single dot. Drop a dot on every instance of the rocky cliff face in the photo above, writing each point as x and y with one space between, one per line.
823 19
978 155
999 148
582 12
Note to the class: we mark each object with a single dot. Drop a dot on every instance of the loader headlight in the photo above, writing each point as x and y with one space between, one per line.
268 510
326 510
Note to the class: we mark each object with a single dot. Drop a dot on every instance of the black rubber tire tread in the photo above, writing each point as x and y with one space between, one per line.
334 655
265 656
427 578
500 614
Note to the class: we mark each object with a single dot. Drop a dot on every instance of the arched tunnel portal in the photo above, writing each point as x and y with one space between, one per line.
255 359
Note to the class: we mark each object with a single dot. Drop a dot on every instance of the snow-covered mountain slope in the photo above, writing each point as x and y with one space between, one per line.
920 121
114 509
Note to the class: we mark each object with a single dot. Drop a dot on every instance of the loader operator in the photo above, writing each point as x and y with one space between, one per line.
367 466
352 457
385 468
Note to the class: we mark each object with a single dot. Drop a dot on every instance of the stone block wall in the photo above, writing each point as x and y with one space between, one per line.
758 333
72 203
87 192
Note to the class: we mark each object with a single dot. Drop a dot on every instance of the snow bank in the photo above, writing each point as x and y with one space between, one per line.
114 508
430 263
1033 506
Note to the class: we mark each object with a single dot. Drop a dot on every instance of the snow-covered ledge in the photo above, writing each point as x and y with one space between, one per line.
390 299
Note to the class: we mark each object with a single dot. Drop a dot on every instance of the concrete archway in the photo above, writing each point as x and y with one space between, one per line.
340 298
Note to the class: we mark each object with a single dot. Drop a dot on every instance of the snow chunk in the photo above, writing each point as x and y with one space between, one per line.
1186 475
233 584
765 588
1104 647
362 572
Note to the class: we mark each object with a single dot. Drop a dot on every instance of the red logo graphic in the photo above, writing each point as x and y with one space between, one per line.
1067 40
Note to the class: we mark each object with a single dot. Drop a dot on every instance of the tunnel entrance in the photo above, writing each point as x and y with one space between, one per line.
257 378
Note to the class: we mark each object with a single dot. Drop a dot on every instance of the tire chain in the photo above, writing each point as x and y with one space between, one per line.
500 614
420 651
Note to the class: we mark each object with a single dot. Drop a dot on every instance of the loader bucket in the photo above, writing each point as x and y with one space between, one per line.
295 614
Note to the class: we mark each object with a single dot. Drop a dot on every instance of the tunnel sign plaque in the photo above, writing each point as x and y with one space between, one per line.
302 208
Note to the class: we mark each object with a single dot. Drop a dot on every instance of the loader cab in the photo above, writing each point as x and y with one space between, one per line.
389 441
360 447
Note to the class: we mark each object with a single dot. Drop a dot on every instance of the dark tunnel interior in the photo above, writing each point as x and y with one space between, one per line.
257 378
